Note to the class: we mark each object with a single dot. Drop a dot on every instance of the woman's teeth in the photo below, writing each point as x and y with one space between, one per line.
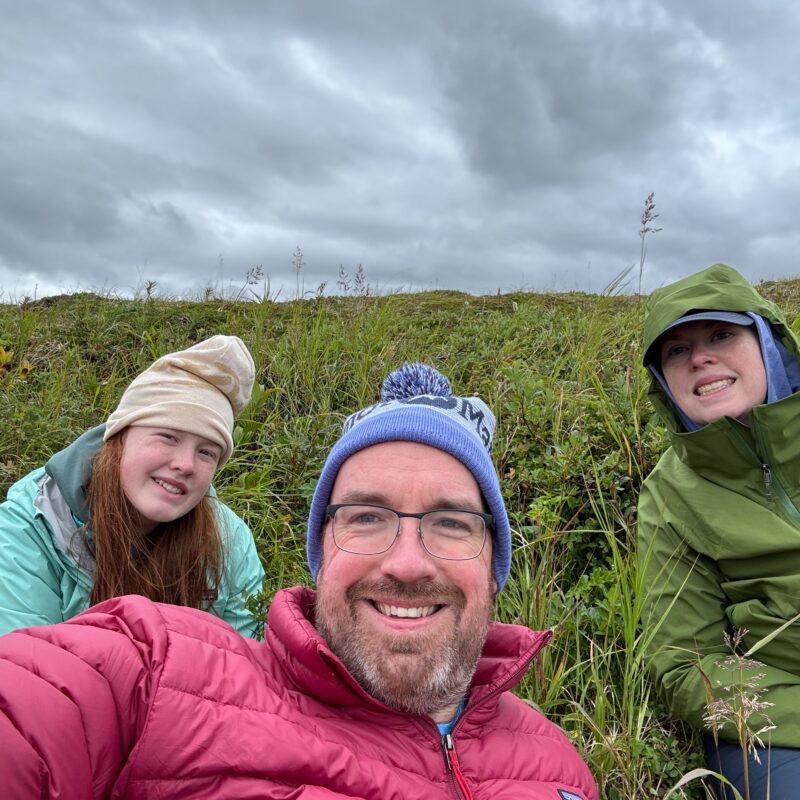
714 387
168 487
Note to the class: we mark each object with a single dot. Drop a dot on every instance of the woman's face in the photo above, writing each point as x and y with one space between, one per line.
164 472
714 369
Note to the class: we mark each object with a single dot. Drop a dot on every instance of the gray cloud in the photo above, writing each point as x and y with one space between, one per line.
476 146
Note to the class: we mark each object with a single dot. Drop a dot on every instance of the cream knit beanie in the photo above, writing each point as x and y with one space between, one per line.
199 390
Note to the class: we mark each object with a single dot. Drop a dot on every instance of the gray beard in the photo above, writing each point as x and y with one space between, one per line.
441 672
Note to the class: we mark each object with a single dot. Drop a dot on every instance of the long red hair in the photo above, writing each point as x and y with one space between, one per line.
178 562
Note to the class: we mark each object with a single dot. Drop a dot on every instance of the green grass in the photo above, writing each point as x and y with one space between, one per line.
575 439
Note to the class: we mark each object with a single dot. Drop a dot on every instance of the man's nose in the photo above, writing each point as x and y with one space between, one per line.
407 560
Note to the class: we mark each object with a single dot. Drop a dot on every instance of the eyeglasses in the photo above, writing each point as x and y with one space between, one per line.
447 533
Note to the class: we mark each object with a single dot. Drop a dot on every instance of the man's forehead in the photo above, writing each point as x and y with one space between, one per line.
380 474
403 455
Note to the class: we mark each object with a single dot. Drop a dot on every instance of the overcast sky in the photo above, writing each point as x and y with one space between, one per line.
466 144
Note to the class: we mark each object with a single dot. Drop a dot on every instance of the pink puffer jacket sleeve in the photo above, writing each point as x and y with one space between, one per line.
74 697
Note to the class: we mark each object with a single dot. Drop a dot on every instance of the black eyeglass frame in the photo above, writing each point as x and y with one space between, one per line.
488 525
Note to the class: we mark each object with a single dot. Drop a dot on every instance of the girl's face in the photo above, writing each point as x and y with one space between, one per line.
165 473
714 369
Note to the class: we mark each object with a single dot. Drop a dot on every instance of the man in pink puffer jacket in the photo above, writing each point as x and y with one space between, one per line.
389 682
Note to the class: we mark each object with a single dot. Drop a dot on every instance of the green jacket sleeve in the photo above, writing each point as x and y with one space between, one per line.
242 575
30 590
685 617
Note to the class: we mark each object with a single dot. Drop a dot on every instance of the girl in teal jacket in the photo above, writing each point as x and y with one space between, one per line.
128 508
719 516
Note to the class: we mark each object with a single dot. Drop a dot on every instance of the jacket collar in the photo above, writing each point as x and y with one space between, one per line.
71 469
724 451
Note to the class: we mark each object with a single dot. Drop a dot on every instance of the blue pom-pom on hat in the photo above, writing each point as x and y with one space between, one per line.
418 405
414 379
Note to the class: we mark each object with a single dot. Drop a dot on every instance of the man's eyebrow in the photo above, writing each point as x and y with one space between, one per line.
378 499
458 503
364 496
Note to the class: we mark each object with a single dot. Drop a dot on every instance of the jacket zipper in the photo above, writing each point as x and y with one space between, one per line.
771 482
767 479
451 760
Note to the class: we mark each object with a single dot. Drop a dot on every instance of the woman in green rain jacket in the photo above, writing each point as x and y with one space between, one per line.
719 516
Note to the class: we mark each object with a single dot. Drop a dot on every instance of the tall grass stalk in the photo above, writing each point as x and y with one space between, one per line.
646 228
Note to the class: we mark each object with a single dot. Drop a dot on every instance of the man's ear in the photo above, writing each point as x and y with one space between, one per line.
493 587
324 542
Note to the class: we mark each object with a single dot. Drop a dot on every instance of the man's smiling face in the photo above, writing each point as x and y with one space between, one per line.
408 626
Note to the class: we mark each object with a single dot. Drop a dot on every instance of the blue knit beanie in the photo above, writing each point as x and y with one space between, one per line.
417 405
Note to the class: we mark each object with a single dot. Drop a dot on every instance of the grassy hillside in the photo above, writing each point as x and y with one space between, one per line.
575 438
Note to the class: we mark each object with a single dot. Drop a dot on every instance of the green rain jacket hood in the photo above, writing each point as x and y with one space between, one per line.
718 288
719 531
